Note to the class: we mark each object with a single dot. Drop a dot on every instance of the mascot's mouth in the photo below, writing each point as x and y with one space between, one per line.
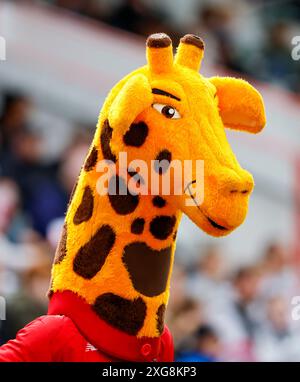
216 225
211 221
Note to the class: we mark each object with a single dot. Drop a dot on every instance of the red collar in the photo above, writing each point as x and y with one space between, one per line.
103 336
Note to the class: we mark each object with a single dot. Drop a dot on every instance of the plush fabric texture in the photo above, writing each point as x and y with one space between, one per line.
111 244
116 252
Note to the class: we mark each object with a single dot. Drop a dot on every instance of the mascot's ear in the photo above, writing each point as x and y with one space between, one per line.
134 97
241 106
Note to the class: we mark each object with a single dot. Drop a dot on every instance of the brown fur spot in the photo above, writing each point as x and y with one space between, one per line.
105 138
137 226
160 318
137 177
193 40
91 257
121 313
136 135
91 160
158 40
148 268
158 201
122 202
162 226
164 156
61 250
85 210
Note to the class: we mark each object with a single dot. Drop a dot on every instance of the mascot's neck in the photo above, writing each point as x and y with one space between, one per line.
117 253
138 270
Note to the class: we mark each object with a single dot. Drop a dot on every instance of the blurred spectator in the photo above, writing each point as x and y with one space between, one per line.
30 302
214 26
280 277
276 340
54 230
44 187
42 197
13 120
278 67
207 347
236 318
14 256
136 16
206 282
178 284
182 309
9 204
266 55
250 318
72 160
183 320
246 284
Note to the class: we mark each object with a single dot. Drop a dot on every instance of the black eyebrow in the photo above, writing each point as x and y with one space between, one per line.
163 92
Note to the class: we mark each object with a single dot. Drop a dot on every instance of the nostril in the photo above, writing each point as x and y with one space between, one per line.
236 184
245 192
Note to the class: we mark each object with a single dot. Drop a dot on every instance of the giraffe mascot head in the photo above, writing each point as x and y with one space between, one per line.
113 264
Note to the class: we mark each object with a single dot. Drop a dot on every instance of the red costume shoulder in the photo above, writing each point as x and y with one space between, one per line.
55 338
46 339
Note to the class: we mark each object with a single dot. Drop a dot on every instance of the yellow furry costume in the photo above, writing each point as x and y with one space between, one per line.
117 251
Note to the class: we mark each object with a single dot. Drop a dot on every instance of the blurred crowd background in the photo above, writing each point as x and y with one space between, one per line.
219 310
262 50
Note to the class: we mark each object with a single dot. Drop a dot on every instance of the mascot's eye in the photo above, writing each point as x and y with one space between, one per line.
168 111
